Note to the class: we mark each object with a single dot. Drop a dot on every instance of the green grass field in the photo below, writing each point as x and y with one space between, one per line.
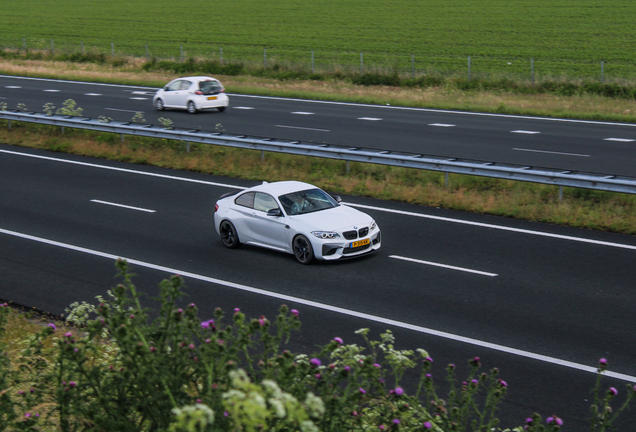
565 38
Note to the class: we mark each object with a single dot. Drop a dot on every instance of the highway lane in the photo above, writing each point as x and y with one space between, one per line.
600 147
546 290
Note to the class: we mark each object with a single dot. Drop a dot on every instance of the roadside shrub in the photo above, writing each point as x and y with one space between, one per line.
178 372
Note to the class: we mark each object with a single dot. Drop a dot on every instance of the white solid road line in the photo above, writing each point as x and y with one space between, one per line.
330 308
303 128
551 152
499 227
123 206
443 265
421 215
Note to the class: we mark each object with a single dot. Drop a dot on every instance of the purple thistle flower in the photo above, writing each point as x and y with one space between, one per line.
396 421
52 326
427 425
339 340
225 413
236 310
549 420
612 391
363 391
529 420
377 365
294 312
318 376
429 360
315 362
399 391
503 383
68 334
382 427
205 324
27 415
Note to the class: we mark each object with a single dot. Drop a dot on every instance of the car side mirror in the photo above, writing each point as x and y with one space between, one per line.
275 212
337 198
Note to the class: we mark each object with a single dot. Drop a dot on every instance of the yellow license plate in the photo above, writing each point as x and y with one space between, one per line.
211 97
360 243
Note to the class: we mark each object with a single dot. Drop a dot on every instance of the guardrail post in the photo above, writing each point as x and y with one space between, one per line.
112 49
146 51
181 47
9 123
560 193
24 44
468 68
348 168
312 61
62 130
262 155
122 138
187 146
221 50
445 180
52 46
265 58
361 64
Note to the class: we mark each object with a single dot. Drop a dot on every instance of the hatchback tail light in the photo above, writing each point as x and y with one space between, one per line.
222 91
199 92
216 207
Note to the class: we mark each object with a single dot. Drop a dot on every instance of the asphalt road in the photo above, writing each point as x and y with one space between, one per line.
542 303
582 146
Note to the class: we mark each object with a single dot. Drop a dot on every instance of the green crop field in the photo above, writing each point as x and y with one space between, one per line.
561 37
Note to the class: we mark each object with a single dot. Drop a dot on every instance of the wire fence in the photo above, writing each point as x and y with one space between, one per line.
404 64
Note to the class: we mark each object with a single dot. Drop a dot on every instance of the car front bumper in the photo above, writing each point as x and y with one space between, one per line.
335 250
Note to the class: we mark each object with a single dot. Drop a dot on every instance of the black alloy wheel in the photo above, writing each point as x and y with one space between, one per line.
303 251
229 236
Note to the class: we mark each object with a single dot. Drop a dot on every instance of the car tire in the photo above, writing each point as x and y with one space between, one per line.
303 251
229 236
221 109
192 108
159 105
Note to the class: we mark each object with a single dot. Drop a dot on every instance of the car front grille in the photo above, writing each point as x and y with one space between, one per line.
363 231
350 235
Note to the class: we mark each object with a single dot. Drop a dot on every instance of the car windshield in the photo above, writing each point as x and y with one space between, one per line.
306 201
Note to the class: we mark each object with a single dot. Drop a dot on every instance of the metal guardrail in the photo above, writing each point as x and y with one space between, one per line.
558 177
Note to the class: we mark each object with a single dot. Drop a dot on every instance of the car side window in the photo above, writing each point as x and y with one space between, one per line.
245 200
174 86
185 85
264 202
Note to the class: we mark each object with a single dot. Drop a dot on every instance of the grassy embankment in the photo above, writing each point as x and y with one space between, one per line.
579 208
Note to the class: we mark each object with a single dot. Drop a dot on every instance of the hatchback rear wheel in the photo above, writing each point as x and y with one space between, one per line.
303 251
192 108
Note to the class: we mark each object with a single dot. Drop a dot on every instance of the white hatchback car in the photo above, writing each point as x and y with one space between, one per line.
192 93
296 218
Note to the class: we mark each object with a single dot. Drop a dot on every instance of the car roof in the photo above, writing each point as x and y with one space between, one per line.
198 78
282 187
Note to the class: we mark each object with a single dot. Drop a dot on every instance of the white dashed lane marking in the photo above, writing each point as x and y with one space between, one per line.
243 108
13 87
123 206
443 266
619 139
369 118
92 94
525 132
52 91
441 125
138 98
302 113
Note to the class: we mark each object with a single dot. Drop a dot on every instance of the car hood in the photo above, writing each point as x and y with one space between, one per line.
333 219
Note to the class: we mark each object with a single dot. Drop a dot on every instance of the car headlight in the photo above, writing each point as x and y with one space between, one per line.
372 226
325 234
